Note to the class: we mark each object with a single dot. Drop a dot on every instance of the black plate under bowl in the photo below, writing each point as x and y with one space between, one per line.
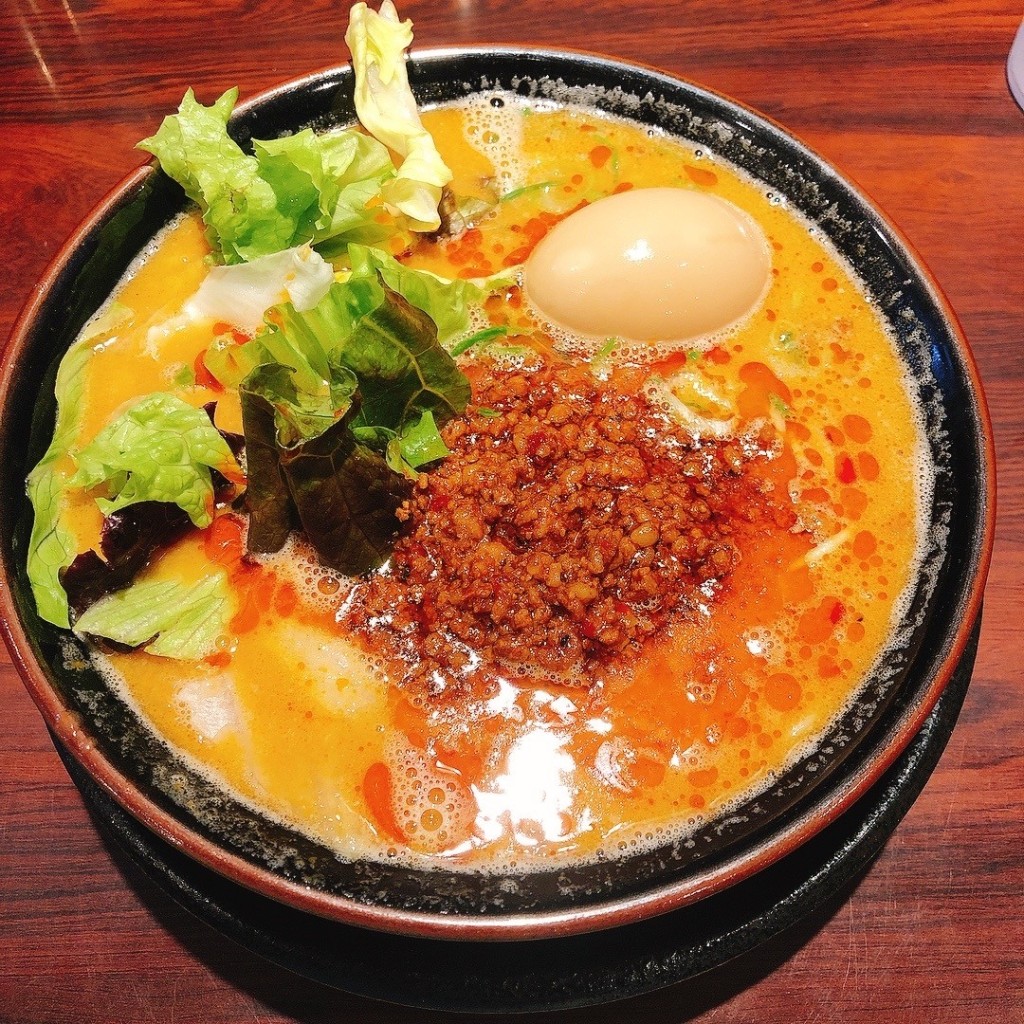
556 974
163 792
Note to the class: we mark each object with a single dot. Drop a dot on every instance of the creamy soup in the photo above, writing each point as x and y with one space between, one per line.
648 576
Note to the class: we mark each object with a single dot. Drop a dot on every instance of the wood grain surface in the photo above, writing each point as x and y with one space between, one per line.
910 101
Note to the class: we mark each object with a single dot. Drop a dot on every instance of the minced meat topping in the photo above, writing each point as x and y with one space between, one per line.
572 520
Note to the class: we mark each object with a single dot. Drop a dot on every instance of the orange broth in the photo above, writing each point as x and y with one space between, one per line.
302 721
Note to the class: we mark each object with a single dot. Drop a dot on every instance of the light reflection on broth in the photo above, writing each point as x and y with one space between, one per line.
309 720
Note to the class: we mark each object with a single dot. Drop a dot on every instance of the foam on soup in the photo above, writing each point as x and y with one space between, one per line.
347 711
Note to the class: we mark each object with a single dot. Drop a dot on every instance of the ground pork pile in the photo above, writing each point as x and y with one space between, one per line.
572 520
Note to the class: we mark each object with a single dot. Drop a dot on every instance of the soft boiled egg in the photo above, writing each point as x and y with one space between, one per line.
654 264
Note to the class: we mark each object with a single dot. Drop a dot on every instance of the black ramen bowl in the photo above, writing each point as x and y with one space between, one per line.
159 789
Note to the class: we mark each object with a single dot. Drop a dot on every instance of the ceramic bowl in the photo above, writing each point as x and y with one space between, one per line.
165 795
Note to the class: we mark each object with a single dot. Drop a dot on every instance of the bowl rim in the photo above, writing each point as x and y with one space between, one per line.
615 911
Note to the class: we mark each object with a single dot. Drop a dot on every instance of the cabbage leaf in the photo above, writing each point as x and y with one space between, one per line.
386 108
241 293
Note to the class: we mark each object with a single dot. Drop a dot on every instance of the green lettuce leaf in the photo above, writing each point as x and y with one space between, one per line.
299 339
159 449
394 352
305 342
166 617
330 178
231 363
386 108
305 188
343 401
419 443
360 328
445 301
240 209
52 546
268 499
337 490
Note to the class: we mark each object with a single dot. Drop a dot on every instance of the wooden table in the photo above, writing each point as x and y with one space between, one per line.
910 101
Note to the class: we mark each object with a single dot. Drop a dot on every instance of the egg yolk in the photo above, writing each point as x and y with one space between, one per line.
656 264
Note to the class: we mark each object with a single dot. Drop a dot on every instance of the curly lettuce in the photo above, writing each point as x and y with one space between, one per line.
167 618
306 188
354 374
52 545
159 449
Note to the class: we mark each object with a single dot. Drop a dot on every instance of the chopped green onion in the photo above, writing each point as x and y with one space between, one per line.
184 378
480 338
605 350
517 192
